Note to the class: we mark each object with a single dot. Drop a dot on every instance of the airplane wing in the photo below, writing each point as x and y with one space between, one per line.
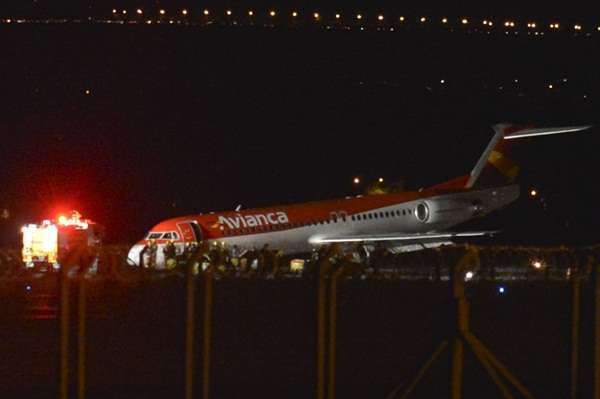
405 239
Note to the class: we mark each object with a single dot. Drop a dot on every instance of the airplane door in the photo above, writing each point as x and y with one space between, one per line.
190 231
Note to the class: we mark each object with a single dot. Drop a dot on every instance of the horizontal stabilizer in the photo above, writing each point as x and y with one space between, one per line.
544 131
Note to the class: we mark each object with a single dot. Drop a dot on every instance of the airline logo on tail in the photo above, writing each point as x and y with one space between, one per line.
506 166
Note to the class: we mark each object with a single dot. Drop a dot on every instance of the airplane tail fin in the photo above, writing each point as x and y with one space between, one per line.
495 166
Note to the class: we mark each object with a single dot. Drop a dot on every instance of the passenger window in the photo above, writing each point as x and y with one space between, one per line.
167 236
154 236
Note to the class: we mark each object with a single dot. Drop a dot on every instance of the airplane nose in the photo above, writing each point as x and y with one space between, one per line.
133 257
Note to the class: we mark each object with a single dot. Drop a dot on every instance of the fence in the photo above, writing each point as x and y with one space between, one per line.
332 279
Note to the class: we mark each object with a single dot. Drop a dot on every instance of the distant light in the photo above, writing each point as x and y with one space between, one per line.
356 180
294 14
205 12
423 19
512 24
464 21
380 17
272 13
507 23
124 12
162 12
358 16
87 92
444 20
228 12
401 19
485 21
577 27
490 23
468 275
337 16
598 29
501 290
442 81
533 192
316 15
184 12
537 264
550 86
250 13
28 288
380 180
139 11
114 11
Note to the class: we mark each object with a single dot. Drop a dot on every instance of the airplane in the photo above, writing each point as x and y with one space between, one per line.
403 220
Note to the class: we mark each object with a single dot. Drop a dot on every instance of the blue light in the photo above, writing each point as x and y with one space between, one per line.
501 290
28 288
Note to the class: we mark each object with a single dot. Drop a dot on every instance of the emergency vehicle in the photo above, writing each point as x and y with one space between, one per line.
45 244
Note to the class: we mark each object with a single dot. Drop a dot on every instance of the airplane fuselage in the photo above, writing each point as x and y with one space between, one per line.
299 228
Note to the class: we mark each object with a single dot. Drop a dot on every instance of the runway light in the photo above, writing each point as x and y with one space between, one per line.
356 180
485 22
206 12
380 180
316 15
401 19
228 12
272 13
533 192
184 12
442 81
358 16
550 86
598 29
87 92
464 21
250 13
294 14
444 20
423 19
139 11
114 11
337 16
380 17
162 12
536 264
124 12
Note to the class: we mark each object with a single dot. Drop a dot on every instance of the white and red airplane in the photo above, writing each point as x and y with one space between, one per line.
402 220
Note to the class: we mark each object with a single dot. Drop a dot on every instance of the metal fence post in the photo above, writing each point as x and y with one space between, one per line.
575 316
596 331
333 330
208 300
321 302
81 338
189 330
64 332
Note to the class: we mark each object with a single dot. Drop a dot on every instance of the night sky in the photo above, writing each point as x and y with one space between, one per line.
133 124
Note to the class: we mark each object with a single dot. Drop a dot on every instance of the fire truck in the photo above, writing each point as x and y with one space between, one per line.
45 244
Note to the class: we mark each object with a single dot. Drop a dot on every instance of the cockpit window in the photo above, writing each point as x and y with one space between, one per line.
175 235
167 236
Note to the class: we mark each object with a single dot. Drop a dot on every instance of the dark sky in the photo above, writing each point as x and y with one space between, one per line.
181 120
